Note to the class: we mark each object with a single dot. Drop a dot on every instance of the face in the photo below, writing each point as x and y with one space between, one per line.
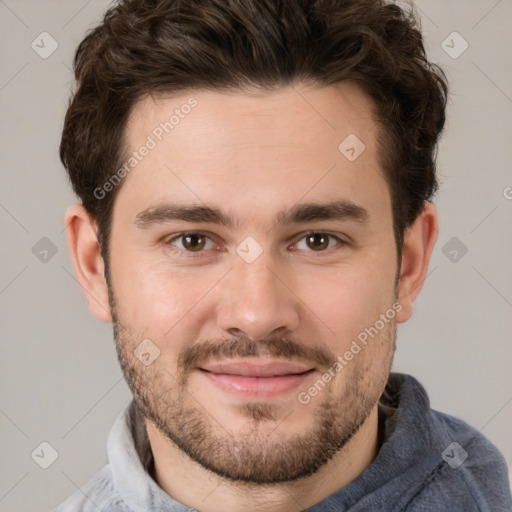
252 275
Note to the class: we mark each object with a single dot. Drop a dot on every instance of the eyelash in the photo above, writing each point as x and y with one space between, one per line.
193 254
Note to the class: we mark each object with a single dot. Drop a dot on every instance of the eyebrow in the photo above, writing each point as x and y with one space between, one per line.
342 210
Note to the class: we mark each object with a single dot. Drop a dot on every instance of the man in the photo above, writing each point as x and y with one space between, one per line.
255 219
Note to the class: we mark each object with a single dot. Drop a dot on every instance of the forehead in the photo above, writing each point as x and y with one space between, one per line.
271 148
319 113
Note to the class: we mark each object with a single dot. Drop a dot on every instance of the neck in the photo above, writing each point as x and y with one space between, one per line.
191 484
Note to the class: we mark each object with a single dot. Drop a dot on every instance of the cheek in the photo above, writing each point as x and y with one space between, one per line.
160 302
348 300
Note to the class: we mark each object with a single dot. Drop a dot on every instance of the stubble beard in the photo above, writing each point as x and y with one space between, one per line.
255 454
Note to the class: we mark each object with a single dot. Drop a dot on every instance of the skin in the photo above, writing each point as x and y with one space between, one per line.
252 155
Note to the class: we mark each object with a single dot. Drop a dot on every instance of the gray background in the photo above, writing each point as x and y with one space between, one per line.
59 378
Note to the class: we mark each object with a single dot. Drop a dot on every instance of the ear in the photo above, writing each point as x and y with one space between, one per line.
85 253
419 241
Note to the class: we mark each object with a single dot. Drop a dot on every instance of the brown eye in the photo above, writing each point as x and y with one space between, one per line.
317 241
190 242
193 242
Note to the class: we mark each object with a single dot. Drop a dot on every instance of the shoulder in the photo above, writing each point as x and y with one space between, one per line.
471 474
97 494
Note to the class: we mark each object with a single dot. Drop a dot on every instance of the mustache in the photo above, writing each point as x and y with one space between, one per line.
200 353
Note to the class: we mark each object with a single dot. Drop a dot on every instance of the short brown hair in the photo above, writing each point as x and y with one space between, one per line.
151 46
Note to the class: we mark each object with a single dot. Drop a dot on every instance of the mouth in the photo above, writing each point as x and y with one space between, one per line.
256 379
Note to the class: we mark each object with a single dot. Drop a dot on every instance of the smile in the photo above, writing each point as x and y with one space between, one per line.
256 380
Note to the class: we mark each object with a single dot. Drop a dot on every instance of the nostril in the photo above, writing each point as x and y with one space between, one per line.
235 331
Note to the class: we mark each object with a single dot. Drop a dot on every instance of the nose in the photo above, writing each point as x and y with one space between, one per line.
257 302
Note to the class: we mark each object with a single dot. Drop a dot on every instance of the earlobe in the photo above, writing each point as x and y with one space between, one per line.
87 260
419 242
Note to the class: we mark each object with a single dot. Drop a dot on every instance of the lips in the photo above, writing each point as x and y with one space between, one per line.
256 378
257 369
